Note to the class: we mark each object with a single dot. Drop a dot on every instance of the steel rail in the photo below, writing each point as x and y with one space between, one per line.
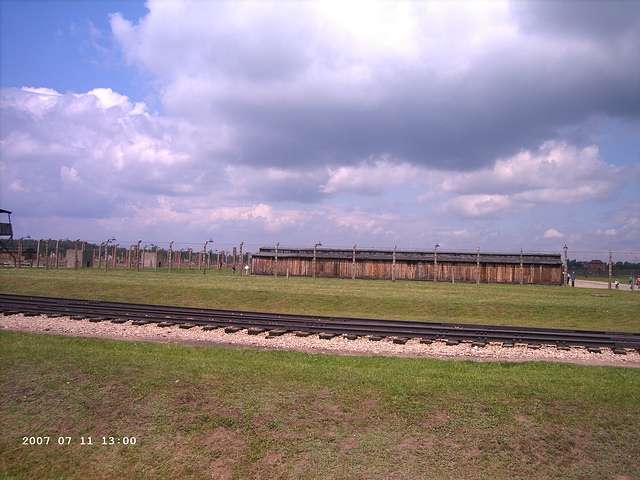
98 310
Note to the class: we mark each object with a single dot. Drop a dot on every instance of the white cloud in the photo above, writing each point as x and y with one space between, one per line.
99 142
359 120
108 98
69 175
479 206
552 233
557 173
369 178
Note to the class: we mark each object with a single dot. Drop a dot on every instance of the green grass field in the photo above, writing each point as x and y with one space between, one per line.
226 413
530 305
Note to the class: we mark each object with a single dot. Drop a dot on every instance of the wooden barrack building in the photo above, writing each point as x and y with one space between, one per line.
526 268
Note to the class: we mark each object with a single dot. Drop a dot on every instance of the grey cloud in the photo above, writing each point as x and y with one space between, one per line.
604 19
510 97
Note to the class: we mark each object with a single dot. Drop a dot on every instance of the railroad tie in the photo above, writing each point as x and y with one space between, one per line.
232 329
276 333
327 336
141 322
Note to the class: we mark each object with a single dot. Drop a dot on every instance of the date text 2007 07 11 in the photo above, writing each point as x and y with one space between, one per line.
45 440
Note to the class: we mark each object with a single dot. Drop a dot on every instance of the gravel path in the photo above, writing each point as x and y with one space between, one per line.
311 344
604 285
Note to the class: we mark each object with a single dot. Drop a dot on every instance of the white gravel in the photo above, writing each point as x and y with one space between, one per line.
312 344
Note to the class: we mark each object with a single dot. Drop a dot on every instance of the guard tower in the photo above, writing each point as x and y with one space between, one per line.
6 234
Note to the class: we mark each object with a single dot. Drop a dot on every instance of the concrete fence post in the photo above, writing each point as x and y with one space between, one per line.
393 265
435 263
521 270
38 254
353 264
46 256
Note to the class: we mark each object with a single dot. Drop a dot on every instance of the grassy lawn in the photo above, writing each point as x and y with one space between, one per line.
529 305
237 414
226 413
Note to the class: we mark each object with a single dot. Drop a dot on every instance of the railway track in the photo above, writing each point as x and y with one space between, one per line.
277 324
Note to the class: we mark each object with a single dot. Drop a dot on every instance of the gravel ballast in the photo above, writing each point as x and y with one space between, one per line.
313 343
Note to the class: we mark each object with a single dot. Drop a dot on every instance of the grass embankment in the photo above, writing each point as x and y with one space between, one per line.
226 413
530 305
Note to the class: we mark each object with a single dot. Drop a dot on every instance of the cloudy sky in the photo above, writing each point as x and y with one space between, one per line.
499 125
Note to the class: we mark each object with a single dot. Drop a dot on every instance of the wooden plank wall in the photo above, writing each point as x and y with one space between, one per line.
547 274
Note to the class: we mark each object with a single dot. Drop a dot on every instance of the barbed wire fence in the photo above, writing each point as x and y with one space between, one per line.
139 254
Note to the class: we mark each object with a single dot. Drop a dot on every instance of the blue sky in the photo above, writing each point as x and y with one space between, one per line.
497 125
